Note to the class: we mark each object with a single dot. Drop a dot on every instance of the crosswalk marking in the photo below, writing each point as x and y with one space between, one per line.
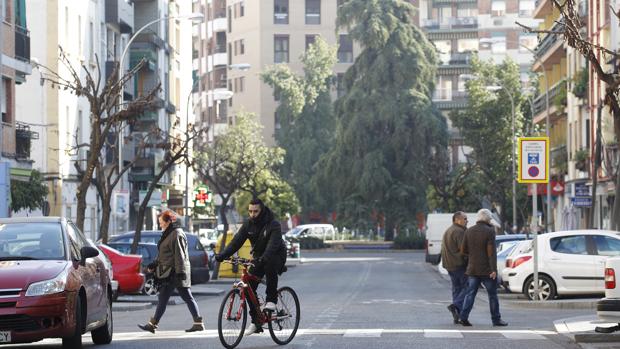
345 333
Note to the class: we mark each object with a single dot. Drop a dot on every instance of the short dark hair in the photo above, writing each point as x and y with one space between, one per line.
456 215
257 201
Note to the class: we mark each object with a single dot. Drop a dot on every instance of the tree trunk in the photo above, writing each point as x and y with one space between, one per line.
615 214
597 164
104 226
81 202
225 199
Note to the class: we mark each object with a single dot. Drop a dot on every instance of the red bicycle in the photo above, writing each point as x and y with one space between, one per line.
233 316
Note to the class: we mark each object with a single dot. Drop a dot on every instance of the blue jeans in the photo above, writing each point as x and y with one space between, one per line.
459 287
473 283
164 295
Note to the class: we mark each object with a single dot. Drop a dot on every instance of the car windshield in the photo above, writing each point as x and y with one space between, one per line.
294 231
23 241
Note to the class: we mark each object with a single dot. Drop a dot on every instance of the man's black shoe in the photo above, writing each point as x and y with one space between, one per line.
500 323
465 323
455 313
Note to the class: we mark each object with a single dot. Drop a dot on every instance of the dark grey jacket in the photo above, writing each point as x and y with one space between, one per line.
173 258
451 256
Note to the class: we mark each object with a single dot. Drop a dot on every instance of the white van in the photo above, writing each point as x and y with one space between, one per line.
436 226
322 231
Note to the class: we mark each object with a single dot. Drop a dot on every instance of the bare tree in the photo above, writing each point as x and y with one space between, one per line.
104 115
597 56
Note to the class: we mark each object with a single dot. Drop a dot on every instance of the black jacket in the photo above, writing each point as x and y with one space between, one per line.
265 236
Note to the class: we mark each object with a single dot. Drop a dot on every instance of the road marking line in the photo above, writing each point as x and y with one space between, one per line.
512 335
442 334
363 333
344 259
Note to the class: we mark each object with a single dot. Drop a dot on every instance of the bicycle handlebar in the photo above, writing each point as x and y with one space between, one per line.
238 260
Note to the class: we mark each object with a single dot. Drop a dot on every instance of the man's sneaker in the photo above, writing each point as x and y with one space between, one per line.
252 329
269 306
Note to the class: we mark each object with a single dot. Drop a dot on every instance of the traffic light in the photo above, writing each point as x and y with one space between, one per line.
202 196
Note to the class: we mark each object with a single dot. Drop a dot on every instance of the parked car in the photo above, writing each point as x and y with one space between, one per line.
436 226
291 248
52 284
518 248
148 252
322 231
127 269
570 262
511 237
198 257
608 308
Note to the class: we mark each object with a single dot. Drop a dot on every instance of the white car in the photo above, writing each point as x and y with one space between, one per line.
608 308
569 262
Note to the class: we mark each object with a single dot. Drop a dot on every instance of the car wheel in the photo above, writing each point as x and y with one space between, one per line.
75 341
103 334
546 287
149 288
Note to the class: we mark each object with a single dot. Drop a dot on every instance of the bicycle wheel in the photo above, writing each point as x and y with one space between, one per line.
232 319
285 320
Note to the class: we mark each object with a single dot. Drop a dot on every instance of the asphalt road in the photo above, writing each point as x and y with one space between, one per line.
359 300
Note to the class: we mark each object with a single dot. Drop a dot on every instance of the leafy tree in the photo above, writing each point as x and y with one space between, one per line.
486 126
387 127
232 161
28 195
305 114
275 193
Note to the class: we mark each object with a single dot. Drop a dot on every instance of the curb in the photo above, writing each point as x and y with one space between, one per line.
583 330
131 306
557 304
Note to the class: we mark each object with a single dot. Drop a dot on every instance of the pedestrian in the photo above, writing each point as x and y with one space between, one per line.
172 271
479 246
268 252
454 261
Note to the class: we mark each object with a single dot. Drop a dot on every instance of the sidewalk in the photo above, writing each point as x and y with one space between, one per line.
141 302
581 330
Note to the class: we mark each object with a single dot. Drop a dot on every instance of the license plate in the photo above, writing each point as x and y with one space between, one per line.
5 336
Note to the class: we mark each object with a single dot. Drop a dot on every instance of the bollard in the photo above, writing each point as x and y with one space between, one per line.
297 248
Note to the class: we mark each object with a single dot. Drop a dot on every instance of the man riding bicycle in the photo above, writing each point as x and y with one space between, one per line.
268 252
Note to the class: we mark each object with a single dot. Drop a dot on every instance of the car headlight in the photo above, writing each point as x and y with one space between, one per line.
51 286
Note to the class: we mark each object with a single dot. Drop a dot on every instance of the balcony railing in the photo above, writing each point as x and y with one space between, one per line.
540 102
22 43
549 40
23 137
450 23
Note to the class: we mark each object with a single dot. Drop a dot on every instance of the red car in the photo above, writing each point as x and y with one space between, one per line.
127 270
52 286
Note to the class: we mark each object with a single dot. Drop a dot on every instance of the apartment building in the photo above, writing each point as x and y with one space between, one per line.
242 38
460 29
15 136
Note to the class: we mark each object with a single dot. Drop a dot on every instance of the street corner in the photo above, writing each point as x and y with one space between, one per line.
582 329
520 301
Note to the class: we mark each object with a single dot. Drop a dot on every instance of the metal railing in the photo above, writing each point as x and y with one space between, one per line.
549 40
22 43
539 101
450 23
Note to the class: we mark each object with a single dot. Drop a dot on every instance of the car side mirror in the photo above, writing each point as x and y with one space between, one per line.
88 252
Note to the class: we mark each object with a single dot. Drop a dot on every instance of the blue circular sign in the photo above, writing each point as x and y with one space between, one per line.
533 171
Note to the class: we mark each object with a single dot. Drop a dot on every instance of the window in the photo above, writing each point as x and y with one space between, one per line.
7 11
280 12
575 244
5 101
241 84
242 9
465 12
467 45
498 43
229 19
527 40
91 41
313 11
443 92
276 120
345 49
526 7
281 49
340 89
444 47
607 246
498 8
66 24
461 83
310 40
79 36
242 46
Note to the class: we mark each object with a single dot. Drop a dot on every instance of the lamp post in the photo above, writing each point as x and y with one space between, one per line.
196 17
547 123
514 182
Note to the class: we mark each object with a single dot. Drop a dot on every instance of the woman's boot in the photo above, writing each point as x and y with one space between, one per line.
197 326
150 326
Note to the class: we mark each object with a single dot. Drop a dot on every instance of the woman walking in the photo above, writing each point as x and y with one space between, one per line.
172 270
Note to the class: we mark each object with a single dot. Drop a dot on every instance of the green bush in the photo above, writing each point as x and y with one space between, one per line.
412 242
309 243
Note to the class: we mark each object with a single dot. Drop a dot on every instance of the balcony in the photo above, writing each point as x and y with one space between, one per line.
450 2
22 43
23 137
550 49
540 103
120 12
542 9
450 24
559 159
218 25
136 55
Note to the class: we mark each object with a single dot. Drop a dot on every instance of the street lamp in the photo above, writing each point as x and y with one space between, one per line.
547 123
514 182
195 17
